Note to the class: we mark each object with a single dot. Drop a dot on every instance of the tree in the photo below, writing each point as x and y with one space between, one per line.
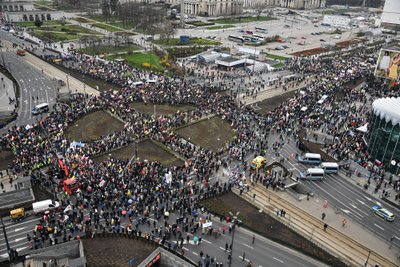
38 22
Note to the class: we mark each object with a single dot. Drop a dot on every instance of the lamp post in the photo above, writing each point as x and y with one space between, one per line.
235 221
366 262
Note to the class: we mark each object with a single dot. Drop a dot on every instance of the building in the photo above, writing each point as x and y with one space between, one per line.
65 254
336 21
10 5
384 133
303 4
391 14
212 8
17 11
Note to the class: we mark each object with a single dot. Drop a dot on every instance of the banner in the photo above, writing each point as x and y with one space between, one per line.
388 64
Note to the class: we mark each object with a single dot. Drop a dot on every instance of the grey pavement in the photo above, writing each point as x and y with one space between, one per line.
7 93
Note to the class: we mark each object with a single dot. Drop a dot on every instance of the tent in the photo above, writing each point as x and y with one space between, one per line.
363 128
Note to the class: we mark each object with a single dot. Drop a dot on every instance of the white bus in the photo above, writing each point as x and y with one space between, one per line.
235 39
260 29
309 158
313 174
330 167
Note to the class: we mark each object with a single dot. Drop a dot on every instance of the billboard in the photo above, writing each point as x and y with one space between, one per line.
391 12
388 64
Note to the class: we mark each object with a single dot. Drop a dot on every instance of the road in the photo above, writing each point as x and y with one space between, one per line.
262 253
342 194
35 87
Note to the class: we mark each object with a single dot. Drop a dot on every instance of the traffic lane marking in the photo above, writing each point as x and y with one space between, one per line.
240 257
281 261
248 246
379 227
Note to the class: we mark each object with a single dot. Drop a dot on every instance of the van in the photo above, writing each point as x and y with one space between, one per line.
330 167
313 174
45 205
17 214
309 158
41 108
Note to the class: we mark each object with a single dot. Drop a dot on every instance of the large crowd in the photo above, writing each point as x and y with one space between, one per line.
113 188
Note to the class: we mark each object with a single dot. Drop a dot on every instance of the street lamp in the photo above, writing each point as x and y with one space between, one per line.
235 221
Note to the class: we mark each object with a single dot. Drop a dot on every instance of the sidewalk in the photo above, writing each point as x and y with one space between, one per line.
351 243
6 94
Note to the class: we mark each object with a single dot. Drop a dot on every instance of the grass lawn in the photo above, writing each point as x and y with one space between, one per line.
200 23
56 36
192 41
32 23
241 20
276 57
279 65
222 26
92 126
106 27
103 18
138 59
211 134
108 49
162 109
83 20
146 150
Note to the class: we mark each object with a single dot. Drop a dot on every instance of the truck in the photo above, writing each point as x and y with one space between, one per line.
45 205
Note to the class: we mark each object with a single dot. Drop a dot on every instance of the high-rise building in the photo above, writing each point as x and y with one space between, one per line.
391 14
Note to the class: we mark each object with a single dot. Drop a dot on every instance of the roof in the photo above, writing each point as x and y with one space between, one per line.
388 109
315 170
312 155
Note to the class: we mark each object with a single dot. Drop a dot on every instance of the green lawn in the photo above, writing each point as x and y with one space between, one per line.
200 23
108 49
104 19
138 59
279 65
241 20
106 27
83 20
276 57
56 36
222 26
32 23
192 41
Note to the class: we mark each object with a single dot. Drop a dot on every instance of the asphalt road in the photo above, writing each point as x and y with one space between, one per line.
262 253
345 196
35 87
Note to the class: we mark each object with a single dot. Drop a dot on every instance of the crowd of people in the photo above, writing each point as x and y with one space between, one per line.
114 189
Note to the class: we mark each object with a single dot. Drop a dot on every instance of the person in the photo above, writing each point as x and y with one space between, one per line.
325 226
393 71
253 239
344 222
323 216
226 246
244 256
385 63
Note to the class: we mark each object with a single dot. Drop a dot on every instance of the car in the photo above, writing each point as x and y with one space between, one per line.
285 46
383 213
303 37
279 48
322 40
317 33
258 162
313 33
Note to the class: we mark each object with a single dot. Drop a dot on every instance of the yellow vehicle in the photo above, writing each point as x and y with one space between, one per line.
258 162
17 214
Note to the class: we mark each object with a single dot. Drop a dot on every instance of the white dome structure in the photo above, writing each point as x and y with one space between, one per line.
384 133
388 109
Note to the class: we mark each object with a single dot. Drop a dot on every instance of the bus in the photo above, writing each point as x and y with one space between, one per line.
71 185
251 38
263 30
235 39
260 37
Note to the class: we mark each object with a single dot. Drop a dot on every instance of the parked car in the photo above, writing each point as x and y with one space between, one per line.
322 40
